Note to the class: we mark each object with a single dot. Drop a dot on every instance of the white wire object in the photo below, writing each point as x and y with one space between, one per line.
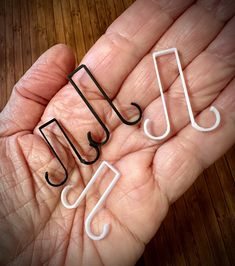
193 122
98 204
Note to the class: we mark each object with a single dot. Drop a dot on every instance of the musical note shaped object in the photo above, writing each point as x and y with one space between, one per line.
191 116
53 120
98 204
91 140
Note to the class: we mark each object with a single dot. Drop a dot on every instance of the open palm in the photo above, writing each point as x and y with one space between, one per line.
35 227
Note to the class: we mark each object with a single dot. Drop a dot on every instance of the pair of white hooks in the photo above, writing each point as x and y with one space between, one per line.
99 203
193 122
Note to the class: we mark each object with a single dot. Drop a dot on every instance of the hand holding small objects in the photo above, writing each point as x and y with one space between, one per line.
35 226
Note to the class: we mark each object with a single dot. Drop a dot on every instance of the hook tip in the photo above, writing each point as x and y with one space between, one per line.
59 184
146 131
63 197
140 114
217 116
217 121
47 178
94 143
104 233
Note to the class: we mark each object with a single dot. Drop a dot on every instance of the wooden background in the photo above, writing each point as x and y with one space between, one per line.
200 226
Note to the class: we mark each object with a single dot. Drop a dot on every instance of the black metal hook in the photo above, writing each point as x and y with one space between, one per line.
72 146
108 100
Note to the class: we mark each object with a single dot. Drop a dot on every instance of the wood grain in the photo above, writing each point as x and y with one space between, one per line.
200 227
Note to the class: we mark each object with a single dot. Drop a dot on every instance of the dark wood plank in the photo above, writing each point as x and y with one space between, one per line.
198 228
157 251
127 3
227 183
3 91
119 6
210 222
33 26
41 22
86 24
102 15
230 157
78 30
26 45
221 211
173 244
95 26
17 32
59 25
187 240
10 60
68 25
50 22
110 10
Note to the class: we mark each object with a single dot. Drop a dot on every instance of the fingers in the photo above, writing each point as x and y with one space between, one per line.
179 161
127 40
206 76
112 58
191 34
35 89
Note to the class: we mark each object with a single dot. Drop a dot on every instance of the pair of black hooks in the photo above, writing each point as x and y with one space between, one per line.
93 143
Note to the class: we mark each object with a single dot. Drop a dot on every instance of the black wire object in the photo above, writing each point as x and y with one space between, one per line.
90 139
92 142
72 146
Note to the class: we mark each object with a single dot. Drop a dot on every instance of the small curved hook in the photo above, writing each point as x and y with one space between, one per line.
217 121
164 135
111 103
59 184
146 122
212 108
129 123
99 203
105 230
56 155
89 136
91 140
82 160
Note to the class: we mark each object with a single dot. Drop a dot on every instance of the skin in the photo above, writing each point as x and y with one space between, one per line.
35 227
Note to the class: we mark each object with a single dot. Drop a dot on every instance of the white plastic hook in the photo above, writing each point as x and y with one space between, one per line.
146 122
192 119
99 203
212 108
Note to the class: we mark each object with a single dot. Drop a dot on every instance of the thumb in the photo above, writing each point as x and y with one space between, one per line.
34 90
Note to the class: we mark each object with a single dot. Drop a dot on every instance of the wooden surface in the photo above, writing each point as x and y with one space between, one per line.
200 226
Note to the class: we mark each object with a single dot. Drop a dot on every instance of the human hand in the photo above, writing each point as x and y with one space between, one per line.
35 227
